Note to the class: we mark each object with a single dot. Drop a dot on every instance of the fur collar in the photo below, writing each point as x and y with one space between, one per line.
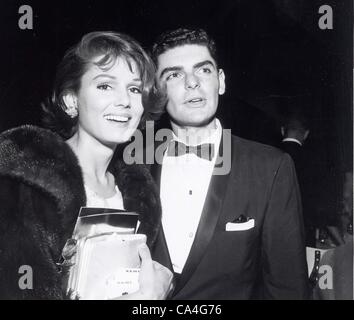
42 159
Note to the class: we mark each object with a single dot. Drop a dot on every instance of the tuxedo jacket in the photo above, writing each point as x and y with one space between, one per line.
311 182
340 259
266 261
294 150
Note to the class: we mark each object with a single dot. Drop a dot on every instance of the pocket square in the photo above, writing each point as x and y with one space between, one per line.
237 226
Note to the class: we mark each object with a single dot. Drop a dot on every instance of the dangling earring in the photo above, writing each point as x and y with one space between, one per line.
70 105
72 111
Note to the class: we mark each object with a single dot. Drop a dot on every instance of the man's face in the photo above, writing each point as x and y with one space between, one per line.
192 82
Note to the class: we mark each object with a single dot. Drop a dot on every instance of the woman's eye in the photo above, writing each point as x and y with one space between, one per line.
135 90
104 86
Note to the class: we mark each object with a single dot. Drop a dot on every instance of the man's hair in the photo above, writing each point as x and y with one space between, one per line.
298 123
78 59
179 37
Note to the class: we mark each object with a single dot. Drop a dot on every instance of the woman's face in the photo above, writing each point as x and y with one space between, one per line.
110 102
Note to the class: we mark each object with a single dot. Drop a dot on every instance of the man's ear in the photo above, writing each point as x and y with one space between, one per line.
70 104
307 132
222 85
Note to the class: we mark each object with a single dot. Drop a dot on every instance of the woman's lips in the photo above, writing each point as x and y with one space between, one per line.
117 118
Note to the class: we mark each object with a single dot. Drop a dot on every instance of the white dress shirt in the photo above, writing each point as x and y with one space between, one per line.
184 185
292 140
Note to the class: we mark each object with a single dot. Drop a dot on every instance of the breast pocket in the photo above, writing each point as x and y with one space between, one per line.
239 226
235 250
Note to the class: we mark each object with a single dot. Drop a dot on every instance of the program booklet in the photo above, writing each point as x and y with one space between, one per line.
106 263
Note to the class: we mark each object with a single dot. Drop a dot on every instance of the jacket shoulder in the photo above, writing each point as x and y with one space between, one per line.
257 151
29 136
42 160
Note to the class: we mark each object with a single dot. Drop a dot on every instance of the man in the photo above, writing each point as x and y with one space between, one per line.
236 235
340 260
294 132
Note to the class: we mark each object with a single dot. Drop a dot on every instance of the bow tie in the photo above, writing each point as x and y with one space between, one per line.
204 151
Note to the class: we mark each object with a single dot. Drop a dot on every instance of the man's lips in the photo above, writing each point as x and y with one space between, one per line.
195 100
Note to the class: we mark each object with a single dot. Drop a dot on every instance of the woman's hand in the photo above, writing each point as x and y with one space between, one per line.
155 280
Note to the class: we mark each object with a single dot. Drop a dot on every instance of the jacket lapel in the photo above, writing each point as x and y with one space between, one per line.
208 220
160 251
155 171
140 194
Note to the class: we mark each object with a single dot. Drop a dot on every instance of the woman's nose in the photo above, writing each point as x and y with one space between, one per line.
122 98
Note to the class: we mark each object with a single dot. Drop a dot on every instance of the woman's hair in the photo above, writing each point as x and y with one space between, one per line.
77 60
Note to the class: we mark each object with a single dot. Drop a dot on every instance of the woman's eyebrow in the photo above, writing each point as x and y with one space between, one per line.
104 75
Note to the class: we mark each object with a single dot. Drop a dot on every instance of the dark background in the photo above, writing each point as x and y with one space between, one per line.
276 59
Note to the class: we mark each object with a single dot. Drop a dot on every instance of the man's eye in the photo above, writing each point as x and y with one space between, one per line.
173 75
205 70
104 86
135 90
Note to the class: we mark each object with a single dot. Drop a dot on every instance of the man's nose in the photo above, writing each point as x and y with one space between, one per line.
192 82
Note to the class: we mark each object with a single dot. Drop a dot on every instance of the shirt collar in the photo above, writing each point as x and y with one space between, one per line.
213 138
292 140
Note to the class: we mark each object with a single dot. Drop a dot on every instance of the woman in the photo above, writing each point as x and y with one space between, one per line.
100 89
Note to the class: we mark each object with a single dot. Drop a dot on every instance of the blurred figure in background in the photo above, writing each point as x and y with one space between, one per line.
295 130
338 262
347 212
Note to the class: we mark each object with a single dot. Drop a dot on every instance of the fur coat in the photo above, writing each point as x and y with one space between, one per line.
41 192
